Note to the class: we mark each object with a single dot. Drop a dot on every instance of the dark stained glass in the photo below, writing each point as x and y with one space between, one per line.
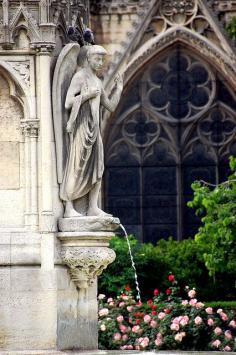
175 124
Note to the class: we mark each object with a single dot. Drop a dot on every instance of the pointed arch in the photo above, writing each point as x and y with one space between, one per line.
18 89
158 179
30 24
192 40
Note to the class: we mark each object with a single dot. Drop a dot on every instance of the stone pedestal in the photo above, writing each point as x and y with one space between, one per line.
84 250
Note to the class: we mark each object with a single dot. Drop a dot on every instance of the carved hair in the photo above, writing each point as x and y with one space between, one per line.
96 50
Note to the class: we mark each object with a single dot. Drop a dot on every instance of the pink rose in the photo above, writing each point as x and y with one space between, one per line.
199 305
223 316
227 348
161 315
136 329
179 336
130 347
147 318
219 310
184 302
193 302
153 324
143 342
158 341
117 337
174 326
103 312
177 320
191 293
125 337
184 321
210 322
232 324
120 318
198 320
121 304
122 328
110 299
217 331
216 343
228 334
209 310
124 297
130 308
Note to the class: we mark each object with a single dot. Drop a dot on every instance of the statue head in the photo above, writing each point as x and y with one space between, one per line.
95 56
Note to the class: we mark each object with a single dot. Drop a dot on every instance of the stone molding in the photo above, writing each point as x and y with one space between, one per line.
115 7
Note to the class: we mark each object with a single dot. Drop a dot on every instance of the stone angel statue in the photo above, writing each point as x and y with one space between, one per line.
78 94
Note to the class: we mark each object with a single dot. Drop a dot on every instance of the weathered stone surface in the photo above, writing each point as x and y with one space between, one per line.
29 314
9 165
89 224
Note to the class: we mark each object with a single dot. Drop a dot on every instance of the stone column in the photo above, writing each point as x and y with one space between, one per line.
47 223
86 253
30 131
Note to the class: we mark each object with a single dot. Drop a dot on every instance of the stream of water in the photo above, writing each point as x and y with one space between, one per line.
138 297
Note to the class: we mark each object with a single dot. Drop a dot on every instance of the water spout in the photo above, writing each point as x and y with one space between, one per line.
133 264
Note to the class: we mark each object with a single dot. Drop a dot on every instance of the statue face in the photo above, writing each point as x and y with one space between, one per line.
96 61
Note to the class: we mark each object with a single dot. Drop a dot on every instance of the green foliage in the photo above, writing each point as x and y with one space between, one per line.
183 258
216 238
231 27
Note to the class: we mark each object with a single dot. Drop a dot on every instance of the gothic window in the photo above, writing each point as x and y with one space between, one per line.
175 124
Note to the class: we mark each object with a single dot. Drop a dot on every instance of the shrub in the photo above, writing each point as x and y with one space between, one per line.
231 28
183 258
165 322
217 235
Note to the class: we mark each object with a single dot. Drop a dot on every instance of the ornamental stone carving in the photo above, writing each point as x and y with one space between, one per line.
86 263
23 69
178 11
30 128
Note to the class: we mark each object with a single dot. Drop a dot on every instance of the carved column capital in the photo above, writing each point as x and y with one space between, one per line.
86 263
30 128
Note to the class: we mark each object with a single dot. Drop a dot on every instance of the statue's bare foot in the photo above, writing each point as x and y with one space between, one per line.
70 212
97 212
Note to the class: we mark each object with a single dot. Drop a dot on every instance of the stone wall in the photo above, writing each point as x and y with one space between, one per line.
11 159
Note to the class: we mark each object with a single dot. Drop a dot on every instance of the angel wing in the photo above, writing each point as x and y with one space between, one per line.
65 69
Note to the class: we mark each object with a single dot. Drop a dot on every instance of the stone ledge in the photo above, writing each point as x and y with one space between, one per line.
85 238
88 224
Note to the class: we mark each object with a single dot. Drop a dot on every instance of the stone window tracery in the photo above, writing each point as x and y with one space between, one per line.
176 123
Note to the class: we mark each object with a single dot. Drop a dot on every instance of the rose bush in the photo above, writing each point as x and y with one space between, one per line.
167 321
